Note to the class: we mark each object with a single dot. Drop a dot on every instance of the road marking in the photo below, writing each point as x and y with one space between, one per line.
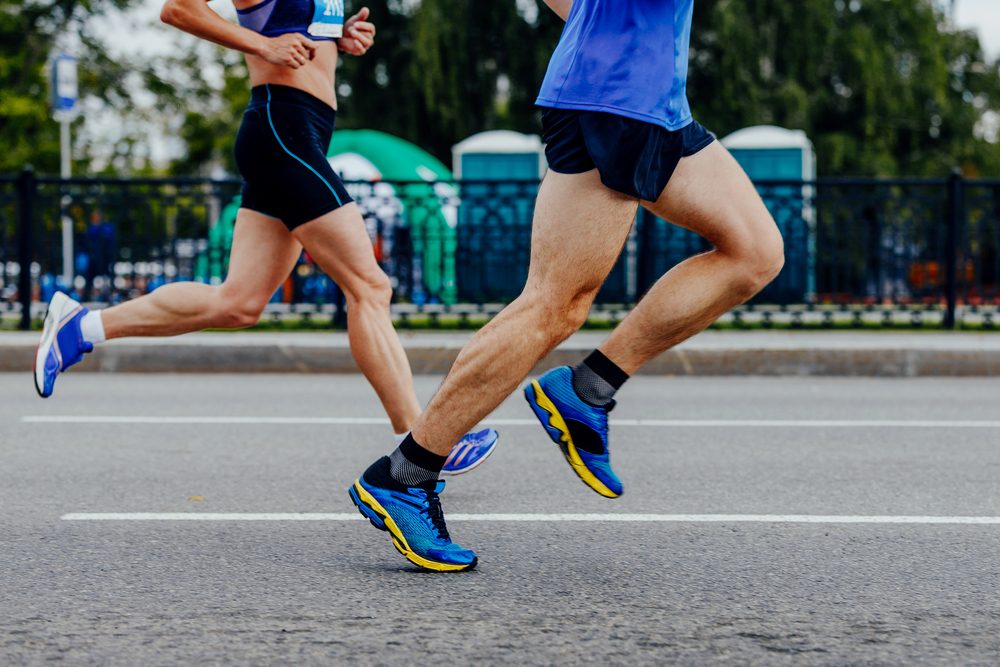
84 419
381 421
529 518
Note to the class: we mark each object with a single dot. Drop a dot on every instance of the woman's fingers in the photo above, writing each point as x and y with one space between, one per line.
362 39
365 27
309 47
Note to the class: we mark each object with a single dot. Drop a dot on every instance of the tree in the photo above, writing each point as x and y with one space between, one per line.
28 36
883 87
446 69
205 88
377 90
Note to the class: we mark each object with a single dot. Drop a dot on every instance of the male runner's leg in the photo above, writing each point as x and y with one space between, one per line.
709 194
580 227
579 230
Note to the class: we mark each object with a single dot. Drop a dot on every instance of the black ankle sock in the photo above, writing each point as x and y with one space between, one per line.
411 464
597 379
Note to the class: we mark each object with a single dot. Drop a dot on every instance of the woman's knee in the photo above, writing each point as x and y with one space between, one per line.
373 289
234 310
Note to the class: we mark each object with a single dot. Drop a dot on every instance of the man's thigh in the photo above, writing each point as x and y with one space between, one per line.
579 229
710 194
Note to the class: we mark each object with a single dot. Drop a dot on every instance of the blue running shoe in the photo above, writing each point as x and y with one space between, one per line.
413 516
580 429
62 343
470 451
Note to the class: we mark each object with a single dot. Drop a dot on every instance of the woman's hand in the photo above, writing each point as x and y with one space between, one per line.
359 34
291 50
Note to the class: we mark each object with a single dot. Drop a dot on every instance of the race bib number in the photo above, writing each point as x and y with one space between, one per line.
328 18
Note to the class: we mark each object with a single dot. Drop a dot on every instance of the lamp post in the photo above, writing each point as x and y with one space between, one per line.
65 93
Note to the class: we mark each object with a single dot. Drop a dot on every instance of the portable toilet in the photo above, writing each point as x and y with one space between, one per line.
498 175
773 153
499 155
769 153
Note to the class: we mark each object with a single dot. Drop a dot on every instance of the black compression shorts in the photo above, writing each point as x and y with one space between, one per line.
281 153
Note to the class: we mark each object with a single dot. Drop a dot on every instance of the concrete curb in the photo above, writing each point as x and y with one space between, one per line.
710 354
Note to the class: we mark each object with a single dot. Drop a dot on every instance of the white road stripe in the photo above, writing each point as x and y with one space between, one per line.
359 421
527 518
85 419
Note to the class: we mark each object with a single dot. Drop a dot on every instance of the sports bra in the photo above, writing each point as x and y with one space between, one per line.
316 19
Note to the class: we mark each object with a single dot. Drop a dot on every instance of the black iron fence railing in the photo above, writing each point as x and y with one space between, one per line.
858 252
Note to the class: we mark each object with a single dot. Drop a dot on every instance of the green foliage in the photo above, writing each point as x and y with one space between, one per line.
28 34
883 87
210 113
449 69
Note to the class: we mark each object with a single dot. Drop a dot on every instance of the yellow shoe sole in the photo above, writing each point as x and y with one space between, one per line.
399 541
565 442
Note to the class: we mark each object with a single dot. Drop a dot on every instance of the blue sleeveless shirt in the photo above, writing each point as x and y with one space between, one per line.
625 57
316 19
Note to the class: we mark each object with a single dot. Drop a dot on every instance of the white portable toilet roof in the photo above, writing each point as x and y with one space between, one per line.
499 141
767 136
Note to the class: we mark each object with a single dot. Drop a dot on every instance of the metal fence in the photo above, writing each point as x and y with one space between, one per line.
900 252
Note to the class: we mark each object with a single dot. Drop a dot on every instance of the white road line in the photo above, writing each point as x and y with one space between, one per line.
527 518
85 419
358 421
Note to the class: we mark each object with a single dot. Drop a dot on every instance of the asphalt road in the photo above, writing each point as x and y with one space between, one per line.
704 591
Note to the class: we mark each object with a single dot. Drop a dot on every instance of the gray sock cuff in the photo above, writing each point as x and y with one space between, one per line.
591 387
407 472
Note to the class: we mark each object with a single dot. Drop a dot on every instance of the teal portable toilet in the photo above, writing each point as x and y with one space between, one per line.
769 153
499 155
498 174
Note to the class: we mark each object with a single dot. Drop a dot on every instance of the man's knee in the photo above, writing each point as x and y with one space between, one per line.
559 316
761 258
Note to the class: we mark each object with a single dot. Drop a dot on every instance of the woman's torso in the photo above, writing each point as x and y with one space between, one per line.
275 17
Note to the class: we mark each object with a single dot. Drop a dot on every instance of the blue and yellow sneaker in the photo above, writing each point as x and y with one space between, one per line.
470 451
62 343
412 516
579 428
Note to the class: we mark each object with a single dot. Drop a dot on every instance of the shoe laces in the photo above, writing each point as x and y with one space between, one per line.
433 511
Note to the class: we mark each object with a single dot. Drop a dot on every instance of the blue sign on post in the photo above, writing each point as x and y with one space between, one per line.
65 89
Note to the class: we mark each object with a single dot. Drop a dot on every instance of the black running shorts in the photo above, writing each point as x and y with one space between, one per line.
632 157
281 153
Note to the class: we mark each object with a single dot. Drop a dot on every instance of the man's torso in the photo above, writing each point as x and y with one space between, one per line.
626 57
